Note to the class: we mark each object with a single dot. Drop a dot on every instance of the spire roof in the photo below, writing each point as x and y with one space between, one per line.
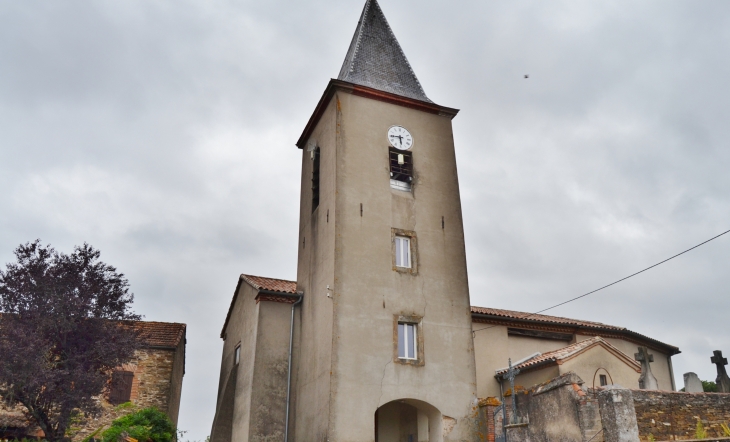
376 60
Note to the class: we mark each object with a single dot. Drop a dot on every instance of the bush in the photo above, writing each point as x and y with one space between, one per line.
146 425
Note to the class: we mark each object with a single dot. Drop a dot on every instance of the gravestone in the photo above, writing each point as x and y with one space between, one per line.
647 381
722 381
692 383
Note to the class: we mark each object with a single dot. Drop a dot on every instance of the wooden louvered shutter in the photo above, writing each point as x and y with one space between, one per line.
121 389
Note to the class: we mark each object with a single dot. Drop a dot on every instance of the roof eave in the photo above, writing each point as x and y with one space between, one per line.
670 349
259 291
538 365
363 91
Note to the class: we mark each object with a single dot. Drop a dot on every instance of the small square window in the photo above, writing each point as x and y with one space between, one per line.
403 252
407 341
237 355
604 381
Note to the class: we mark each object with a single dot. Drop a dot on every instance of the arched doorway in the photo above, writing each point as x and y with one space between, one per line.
408 420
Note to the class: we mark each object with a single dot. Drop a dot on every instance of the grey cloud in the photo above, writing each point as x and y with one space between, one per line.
162 133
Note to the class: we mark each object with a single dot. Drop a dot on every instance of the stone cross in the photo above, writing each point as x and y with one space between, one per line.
647 381
510 376
722 381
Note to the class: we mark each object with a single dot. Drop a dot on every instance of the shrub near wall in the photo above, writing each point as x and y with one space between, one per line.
673 415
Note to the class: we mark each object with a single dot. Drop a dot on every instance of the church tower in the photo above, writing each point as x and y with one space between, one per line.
383 342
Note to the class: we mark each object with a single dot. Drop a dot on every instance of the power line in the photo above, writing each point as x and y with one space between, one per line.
616 282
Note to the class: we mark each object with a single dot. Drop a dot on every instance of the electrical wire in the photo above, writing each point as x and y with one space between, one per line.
616 282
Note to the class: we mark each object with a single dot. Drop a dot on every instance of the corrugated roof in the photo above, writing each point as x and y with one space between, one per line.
376 60
562 354
275 285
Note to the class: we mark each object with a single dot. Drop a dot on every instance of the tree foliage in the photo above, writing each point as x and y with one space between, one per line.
146 425
709 387
62 332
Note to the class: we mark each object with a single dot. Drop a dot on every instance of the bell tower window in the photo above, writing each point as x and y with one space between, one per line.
401 169
315 178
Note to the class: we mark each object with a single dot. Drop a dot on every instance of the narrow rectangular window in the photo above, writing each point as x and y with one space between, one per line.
403 252
121 387
604 381
401 169
237 356
315 178
407 336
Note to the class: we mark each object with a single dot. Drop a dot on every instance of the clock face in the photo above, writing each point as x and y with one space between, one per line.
400 138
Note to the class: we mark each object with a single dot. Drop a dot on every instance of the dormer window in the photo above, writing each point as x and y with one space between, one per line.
401 169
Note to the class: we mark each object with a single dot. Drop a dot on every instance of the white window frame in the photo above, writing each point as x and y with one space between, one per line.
237 355
406 342
400 260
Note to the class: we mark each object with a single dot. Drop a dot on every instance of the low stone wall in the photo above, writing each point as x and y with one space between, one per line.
558 410
669 415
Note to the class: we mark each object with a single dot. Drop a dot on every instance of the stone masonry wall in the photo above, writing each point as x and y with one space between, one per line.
152 385
673 415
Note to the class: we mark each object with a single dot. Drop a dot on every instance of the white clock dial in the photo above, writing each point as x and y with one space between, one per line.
400 138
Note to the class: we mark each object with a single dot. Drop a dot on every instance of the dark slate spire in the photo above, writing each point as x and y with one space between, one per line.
375 59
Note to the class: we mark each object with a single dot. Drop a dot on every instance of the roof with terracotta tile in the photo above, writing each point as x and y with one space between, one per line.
260 283
565 353
157 334
275 285
498 315
161 334
542 318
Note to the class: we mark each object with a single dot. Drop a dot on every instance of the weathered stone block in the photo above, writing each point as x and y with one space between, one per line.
618 415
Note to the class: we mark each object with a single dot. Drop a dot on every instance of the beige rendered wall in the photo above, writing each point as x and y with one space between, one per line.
178 371
660 367
231 422
368 293
268 395
315 271
491 349
586 364
521 347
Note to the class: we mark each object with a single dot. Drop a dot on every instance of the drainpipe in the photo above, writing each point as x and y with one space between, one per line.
288 380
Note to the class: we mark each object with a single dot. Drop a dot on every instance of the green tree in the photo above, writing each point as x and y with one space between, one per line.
62 333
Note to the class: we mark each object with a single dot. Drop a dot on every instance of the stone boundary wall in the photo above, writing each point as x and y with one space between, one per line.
669 415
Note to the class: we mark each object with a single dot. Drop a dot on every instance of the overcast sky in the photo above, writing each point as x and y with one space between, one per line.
162 133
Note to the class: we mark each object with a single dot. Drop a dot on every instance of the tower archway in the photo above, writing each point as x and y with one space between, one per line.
408 420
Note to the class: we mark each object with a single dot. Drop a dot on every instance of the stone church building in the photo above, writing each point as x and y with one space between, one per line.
376 340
